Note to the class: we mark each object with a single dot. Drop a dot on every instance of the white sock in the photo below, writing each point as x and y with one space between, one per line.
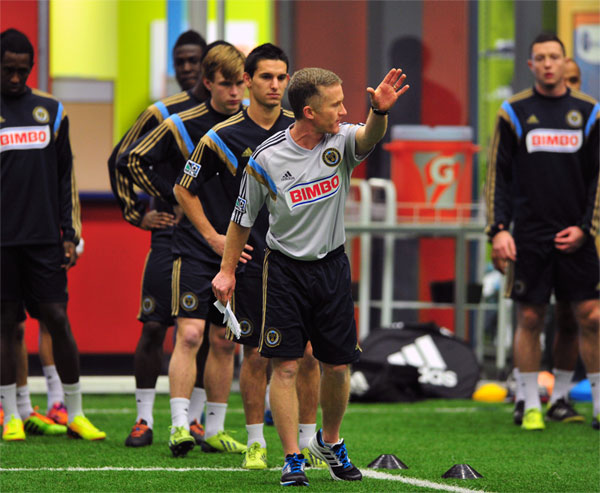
529 384
179 412
53 386
267 399
197 401
73 400
255 434
215 418
519 395
144 401
8 397
562 384
305 433
331 445
24 402
594 379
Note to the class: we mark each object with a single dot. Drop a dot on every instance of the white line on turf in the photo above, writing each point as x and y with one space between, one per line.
387 410
369 474
417 482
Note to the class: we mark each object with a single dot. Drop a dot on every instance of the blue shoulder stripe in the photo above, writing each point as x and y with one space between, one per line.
183 132
212 135
59 113
513 117
162 108
592 119
261 171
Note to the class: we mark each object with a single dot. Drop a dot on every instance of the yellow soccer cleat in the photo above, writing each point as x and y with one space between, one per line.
533 420
81 427
255 457
312 460
13 429
223 442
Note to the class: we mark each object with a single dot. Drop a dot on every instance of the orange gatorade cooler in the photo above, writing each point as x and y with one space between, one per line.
432 168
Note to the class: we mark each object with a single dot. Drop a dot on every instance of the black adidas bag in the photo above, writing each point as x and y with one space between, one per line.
411 361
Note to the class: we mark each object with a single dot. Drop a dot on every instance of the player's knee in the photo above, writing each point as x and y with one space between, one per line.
337 371
153 334
54 316
285 369
219 342
189 336
253 360
530 320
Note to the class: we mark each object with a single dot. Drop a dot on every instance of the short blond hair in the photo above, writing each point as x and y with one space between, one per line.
226 58
305 84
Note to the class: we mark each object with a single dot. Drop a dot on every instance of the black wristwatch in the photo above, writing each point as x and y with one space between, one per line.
379 112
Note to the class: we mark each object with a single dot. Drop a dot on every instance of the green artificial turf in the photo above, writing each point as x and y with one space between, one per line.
429 437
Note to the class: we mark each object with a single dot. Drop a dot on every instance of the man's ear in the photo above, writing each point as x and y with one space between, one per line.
247 79
308 112
207 83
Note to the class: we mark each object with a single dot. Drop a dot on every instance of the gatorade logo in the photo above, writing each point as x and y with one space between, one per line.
22 138
440 173
307 193
553 140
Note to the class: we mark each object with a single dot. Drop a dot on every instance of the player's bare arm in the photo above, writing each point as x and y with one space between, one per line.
192 208
224 282
382 99
503 250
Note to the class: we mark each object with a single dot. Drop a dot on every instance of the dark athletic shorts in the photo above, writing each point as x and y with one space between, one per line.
541 269
155 303
33 273
192 295
248 309
309 300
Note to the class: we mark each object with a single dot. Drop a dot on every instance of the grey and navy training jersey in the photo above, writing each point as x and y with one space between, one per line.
221 156
305 191
40 203
543 166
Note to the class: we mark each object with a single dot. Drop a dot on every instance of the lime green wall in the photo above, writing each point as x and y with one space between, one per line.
260 11
132 86
83 39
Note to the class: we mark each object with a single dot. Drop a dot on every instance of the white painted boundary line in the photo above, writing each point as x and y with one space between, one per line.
370 474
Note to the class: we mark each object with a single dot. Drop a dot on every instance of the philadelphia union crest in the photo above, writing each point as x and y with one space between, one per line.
246 327
189 301
331 157
272 338
148 305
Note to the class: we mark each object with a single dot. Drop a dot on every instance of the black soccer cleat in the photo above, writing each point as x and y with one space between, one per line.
563 411
518 412
336 458
140 435
292 473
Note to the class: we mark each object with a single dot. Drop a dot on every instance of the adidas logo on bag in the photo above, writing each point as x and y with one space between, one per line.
424 355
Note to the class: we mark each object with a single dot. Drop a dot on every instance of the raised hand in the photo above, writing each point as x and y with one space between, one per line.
389 90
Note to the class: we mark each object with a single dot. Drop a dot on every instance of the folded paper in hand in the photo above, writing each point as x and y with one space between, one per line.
229 318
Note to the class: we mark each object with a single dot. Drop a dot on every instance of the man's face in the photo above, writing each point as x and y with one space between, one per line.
186 60
572 75
328 109
225 95
268 83
16 68
547 64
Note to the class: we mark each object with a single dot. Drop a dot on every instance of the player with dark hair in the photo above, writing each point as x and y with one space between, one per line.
303 175
154 163
543 180
155 305
222 154
39 230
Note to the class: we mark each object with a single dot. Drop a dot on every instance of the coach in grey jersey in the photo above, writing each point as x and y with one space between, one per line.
303 175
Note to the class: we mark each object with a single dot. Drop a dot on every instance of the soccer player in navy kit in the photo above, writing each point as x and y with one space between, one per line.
155 299
154 162
39 230
303 176
543 179
222 154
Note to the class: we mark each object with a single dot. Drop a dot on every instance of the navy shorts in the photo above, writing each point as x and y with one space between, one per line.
192 295
155 303
309 300
33 274
248 309
541 269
